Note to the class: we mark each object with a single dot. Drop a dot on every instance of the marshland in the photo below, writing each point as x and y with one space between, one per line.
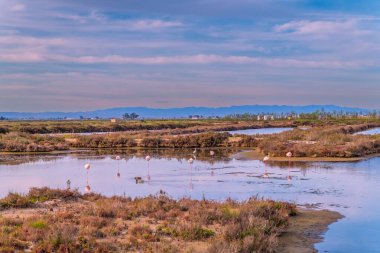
204 187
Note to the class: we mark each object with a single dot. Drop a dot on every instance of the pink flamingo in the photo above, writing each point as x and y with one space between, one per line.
147 158
212 153
289 155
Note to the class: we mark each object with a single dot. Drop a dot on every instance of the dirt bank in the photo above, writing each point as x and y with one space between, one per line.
305 230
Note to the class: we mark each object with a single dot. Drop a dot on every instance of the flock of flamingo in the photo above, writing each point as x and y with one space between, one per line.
266 159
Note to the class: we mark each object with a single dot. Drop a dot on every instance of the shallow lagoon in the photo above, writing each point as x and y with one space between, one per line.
350 188
259 131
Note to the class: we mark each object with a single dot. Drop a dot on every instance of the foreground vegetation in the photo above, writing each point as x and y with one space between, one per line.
47 220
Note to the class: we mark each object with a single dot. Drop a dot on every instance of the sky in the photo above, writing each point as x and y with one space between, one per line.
89 54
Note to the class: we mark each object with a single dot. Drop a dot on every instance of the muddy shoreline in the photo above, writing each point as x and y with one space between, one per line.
306 229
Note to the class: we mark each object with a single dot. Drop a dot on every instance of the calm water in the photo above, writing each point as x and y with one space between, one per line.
353 189
273 130
371 131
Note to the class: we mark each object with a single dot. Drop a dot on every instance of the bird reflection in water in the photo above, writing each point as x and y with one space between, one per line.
118 166
147 158
191 161
87 166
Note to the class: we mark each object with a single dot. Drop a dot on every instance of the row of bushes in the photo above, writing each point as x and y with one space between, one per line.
14 142
203 140
121 141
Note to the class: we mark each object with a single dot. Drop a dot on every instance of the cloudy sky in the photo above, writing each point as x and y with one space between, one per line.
87 54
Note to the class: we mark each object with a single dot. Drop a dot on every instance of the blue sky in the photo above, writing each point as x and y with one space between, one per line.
82 55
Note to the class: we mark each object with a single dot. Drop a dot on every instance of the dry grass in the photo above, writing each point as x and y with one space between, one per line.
20 142
91 223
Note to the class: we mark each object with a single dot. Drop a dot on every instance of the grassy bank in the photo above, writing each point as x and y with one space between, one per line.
48 220
327 141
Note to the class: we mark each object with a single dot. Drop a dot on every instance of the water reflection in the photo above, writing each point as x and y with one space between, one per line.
179 155
87 167
350 188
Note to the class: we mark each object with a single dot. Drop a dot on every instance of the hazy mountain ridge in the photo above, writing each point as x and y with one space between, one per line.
184 112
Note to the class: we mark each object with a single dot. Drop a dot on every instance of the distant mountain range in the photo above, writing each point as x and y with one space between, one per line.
158 113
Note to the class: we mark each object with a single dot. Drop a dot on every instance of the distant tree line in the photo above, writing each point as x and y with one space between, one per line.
130 116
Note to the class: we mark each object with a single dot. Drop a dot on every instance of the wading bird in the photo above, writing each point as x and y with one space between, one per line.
289 155
147 158
139 180
118 166
68 184
212 153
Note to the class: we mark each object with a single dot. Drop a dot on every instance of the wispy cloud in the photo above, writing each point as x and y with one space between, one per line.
95 18
152 24
306 27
